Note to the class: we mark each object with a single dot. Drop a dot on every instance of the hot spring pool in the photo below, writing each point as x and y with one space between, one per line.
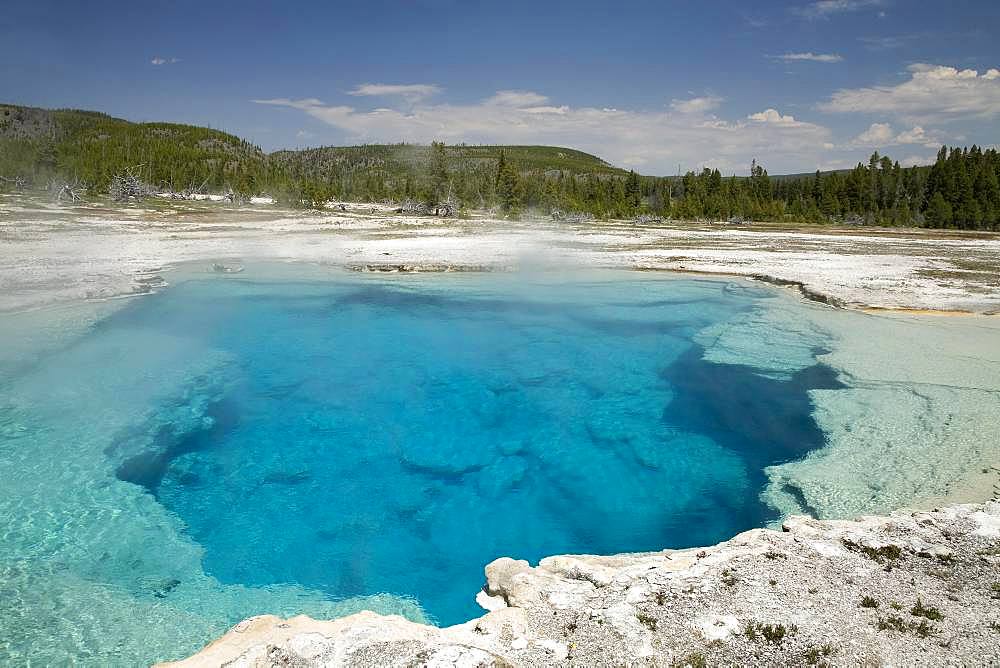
296 440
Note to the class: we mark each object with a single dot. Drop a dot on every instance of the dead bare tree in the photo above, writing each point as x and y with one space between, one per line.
236 197
412 206
447 208
129 186
191 190
61 191
562 216
647 219
19 182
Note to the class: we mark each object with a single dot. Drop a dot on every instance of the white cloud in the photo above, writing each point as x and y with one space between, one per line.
933 92
878 134
810 56
517 99
696 105
826 8
655 141
882 134
773 117
407 91
164 61
915 135
287 102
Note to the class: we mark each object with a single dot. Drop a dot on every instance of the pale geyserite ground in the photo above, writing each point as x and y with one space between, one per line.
937 380
50 252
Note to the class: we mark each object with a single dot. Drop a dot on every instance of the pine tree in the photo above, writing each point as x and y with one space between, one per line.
938 211
633 191
508 186
438 173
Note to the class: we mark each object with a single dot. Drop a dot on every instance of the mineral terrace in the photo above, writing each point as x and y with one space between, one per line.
917 588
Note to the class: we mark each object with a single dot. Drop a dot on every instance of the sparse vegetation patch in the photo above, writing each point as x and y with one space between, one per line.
772 633
921 610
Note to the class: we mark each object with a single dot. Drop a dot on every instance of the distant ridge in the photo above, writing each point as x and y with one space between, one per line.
41 148
26 133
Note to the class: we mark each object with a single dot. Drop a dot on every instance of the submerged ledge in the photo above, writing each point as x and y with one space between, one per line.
911 588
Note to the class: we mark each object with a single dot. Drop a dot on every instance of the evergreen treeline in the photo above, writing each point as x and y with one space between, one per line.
960 190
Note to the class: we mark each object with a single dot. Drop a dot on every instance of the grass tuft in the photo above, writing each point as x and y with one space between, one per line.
814 655
921 610
772 633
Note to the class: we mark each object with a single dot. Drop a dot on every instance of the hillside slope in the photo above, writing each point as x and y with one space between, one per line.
39 143
401 171
412 160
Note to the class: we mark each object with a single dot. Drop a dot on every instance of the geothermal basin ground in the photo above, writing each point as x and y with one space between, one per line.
324 413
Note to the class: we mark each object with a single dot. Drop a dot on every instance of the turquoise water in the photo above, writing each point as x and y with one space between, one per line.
289 440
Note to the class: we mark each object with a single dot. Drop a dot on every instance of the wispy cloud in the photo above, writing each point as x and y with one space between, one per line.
517 98
933 92
696 105
655 141
885 43
288 102
406 91
159 60
822 9
810 56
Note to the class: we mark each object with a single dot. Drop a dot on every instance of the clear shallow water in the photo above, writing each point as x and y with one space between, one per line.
284 440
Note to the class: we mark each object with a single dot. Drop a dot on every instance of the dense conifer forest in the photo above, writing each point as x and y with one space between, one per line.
961 190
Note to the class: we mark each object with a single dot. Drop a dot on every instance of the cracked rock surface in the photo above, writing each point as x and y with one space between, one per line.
917 588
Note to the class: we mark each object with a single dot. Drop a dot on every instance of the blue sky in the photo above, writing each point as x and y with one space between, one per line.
798 85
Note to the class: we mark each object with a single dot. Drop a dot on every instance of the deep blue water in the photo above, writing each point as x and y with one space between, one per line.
395 435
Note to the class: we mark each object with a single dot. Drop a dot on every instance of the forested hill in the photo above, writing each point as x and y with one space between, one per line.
39 143
92 147
414 171
414 160
960 190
